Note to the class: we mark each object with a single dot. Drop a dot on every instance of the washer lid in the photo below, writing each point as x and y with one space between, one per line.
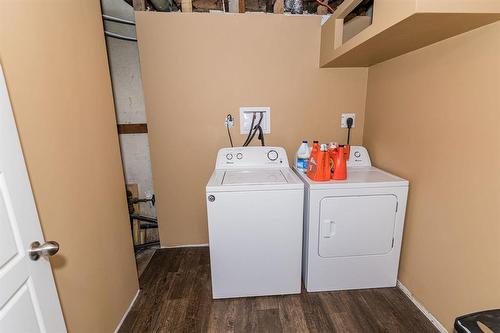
253 177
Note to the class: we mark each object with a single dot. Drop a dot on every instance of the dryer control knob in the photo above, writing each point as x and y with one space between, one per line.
272 155
229 156
357 154
239 156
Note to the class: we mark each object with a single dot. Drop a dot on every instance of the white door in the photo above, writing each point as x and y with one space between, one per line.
28 296
357 225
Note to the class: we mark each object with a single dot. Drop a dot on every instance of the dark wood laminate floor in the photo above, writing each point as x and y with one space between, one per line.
176 297
142 259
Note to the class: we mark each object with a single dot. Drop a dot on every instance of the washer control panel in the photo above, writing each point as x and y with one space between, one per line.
251 157
359 157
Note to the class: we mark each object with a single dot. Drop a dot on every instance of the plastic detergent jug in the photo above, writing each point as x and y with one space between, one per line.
322 171
331 148
340 164
311 165
323 164
302 157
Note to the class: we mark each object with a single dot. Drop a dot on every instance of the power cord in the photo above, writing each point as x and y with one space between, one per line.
247 141
254 130
251 133
349 122
261 136
229 123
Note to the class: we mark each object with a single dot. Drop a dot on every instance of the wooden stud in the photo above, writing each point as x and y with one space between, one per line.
139 5
242 6
132 128
186 6
322 10
205 5
279 7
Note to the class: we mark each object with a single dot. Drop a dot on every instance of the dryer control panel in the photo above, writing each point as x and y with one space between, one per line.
251 157
359 157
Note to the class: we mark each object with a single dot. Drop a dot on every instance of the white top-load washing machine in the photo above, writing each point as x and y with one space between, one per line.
353 228
255 208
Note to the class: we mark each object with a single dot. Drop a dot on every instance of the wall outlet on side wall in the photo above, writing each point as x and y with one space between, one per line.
343 119
246 115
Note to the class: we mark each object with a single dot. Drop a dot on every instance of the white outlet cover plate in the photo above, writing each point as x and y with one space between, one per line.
246 114
343 119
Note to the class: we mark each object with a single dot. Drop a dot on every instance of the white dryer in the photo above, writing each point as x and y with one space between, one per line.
255 208
353 228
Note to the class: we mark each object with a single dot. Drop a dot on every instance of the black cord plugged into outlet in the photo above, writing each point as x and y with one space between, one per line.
349 123
229 124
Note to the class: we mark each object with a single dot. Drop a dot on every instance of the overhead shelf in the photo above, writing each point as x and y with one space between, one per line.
398 27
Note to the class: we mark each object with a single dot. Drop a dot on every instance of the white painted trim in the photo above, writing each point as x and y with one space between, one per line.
126 312
422 309
188 245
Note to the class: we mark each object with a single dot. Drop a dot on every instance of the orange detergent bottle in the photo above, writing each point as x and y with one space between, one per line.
340 164
331 148
311 166
322 170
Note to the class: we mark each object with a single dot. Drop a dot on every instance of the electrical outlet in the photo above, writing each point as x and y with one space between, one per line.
343 119
246 115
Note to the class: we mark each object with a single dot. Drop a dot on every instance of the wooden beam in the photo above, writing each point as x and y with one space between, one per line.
139 5
242 6
205 5
279 7
186 6
132 128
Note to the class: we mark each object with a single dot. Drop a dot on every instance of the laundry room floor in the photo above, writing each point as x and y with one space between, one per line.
175 297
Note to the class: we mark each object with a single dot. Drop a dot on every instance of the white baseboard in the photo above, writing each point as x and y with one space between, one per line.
128 310
189 245
422 309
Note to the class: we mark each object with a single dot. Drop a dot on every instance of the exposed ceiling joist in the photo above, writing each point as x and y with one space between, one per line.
310 6
139 4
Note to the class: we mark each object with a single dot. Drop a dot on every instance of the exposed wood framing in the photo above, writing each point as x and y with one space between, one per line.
279 7
132 128
186 6
242 6
205 5
310 6
139 4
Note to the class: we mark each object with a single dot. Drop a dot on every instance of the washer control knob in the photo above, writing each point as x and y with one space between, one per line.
272 155
357 154
239 156
229 156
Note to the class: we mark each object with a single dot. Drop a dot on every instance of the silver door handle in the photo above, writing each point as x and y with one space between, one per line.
46 250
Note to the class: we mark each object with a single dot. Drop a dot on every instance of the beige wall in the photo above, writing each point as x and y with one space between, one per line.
54 58
432 116
197 68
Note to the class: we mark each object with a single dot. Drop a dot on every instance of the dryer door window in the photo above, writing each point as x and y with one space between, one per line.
356 225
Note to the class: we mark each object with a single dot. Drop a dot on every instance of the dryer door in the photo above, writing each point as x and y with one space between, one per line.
357 225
